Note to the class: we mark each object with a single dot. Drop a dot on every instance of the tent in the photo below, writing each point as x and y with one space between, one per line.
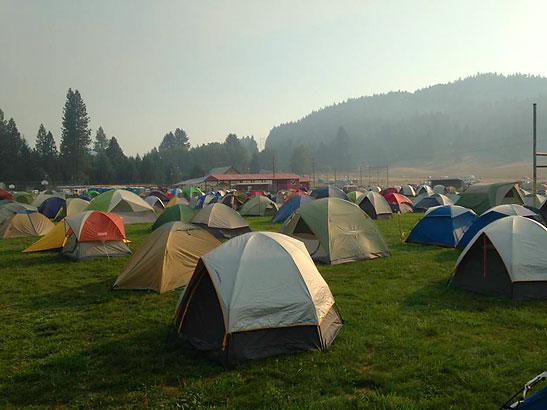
427 202
8 209
23 197
536 401
529 200
54 239
425 189
177 201
5 195
336 231
94 234
155 203
374 205
221 220
167 258
131 207
375 188
390 190
255 296
22 223
506 258
407 190
399 203
234 200
294 194
442 226
439 189
353 195
290 206
190 192
497 212
180 213
75 206
53 208
42 196
259 206
329 191
483 196
159 194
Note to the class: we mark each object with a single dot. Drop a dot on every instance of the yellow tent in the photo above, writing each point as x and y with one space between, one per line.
76 206
53 240
177 201
22 225
167 258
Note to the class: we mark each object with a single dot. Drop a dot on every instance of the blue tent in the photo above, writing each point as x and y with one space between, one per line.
52 206
329 191
537 401
493 214
442 226
290 206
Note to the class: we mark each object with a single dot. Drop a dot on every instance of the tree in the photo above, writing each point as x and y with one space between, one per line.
249 144
101 141
181 139
102 171
46 153
118 160
300 160
254 166
75 138
168 142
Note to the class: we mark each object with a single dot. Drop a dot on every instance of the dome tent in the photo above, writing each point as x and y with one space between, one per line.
177 201
255 296
374 205
220 220
424 203
181 213
5 195
54 239
483 196
497 212
336 231
506 258
407 190
44 195
354 195
399 203
290 206
53 208
167 258
75 206
94 234
329 191
155 202
258 206
131 207
234 200
442 226
23 197
22 222
424 189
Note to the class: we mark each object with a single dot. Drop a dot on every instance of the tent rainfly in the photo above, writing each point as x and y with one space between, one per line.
180 213
483 196
329 191
424 203
254 296
221 221
290 206
22 223
155 203
407 190
75 206
259 206
131 207
54 239
399 203
375 205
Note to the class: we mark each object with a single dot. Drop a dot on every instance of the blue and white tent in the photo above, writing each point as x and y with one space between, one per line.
290 206
442 226
493 214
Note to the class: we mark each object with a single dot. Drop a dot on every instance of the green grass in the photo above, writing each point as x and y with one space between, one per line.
409 342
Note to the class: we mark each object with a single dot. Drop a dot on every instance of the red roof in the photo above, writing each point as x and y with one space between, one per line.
251 177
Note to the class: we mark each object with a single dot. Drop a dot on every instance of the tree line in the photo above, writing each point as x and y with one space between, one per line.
82 158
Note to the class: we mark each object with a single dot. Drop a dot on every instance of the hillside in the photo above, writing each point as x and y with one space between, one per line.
484 119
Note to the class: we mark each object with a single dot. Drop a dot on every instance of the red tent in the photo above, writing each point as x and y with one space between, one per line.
399 203
5 195
96 226
390 190
251 194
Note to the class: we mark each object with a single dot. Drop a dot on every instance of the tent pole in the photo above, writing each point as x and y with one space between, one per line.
534 160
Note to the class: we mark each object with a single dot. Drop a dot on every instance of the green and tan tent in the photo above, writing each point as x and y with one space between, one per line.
167 258
221 220
353 195
75 206
132 208
181 213
483 196
336 231
259 205
23 197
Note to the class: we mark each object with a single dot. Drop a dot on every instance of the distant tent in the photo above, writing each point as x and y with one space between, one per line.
167 258
353 195
22 223
497 212
483 196
155 203
295 194
5 195
390 190
131 207
375 188
191 192
23 197
94 234
53 208
407 190
374 205
329 191
430 201
75 206
439 189
442 226
159 194
255 296
221 220
290 206
42 196
336 231
234 200
399 203
506 258
425 189
54 239
177 201
177 213
258 206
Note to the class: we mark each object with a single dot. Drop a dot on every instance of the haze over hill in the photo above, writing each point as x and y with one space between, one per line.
484 120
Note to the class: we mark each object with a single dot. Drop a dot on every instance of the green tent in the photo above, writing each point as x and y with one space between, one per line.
259 205
336 231
191 191
23 197
180 212
131 207
483 196
353 195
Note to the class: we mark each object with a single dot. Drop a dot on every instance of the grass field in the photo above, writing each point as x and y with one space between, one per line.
409 342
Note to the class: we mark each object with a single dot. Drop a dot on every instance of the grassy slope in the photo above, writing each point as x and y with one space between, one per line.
409 342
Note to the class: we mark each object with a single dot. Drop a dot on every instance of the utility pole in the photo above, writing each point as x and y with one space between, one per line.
361 175
368 173
273 173
313 172
534 160
387 174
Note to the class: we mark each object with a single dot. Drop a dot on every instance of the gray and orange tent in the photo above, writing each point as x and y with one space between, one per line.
167 258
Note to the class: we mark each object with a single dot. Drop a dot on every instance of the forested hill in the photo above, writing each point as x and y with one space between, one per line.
486 118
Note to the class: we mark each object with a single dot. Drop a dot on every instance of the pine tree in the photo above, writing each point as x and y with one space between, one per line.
181 139
76 137
101 141
46 153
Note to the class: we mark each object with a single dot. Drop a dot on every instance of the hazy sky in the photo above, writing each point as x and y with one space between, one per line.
215 67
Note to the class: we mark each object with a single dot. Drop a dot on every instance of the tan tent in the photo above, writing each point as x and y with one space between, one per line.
221 220
259 205
167 258
75 206
23 224
54 239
